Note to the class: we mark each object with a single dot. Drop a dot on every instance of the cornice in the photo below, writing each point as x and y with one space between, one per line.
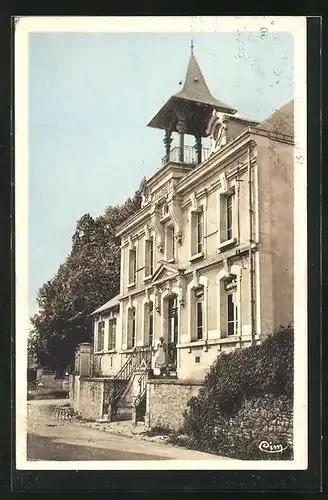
134 220
167 171
216 161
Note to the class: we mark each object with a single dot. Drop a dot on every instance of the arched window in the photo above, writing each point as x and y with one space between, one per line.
198 309
230 306
149 323
173 319
199 299
133 313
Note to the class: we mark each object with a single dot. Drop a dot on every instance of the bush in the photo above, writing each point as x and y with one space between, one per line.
157 431
239 375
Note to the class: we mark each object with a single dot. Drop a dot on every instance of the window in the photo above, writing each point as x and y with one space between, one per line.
132 265
133 326
199 296
112 334
170 243
228 222
229 217
229 317
150 323
232 313
200 230
197 233
100 336
149 257
173 319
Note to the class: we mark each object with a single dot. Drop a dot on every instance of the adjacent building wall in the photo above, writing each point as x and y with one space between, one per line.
108 362
276 232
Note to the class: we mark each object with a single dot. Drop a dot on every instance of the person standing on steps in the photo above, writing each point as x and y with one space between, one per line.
161 357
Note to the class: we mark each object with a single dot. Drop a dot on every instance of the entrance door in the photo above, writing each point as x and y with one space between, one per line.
172 331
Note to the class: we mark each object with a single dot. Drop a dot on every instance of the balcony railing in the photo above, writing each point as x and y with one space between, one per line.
186 155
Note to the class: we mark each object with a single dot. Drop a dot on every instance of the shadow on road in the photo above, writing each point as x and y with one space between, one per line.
46 448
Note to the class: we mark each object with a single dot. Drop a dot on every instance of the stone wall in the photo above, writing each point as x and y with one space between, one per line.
91 398
267 419
167 400
86 396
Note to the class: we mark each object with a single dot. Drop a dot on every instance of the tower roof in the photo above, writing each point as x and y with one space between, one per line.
195 95
196 89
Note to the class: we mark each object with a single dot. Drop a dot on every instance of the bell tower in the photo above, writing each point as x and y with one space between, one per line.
188 112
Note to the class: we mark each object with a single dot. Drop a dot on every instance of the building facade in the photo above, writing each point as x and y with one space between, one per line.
207 262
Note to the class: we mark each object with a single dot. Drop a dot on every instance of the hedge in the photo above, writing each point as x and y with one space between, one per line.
236 376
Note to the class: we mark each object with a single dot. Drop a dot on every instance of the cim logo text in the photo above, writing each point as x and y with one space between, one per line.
268 447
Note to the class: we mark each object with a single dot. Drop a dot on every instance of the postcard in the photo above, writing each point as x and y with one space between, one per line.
160 323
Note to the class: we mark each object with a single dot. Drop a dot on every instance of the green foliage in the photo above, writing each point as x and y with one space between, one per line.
89 277
242 374
157 430
31 375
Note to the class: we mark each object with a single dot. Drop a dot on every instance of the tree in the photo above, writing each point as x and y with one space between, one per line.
89 277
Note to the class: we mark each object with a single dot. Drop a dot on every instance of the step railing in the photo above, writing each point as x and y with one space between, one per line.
172 356
140 357
142 382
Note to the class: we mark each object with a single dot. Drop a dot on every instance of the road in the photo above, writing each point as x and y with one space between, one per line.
50 439
49 448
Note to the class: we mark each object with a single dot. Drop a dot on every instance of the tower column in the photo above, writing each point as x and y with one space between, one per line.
198 147
167 141
181 130
181 144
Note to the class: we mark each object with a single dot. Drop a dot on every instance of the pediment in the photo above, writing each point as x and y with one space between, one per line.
165 271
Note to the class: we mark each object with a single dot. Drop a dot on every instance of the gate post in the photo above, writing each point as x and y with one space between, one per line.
85 359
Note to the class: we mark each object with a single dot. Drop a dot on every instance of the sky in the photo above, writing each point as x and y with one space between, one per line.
90 97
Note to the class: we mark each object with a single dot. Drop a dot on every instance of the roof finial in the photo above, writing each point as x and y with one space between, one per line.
192 46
